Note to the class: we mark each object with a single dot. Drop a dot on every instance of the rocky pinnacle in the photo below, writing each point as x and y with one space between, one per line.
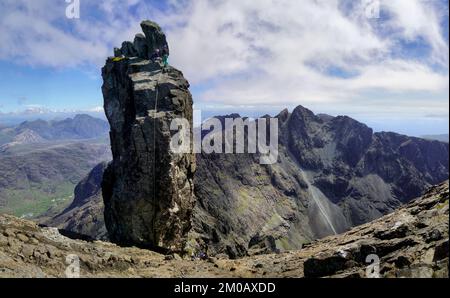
147 189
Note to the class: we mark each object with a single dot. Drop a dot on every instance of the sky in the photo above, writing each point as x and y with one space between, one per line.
384 63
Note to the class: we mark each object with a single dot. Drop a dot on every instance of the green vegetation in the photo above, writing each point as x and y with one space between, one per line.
245 201
37 199
274 221
283 243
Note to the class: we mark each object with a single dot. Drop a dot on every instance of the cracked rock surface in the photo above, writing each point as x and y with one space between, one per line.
147 189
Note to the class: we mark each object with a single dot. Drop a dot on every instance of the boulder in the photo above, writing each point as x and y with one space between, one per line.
154 37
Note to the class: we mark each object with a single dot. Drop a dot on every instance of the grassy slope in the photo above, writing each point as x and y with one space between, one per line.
38 199
36 178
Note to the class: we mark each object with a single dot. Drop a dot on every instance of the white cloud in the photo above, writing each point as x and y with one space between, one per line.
38 33
420 19
251 52
279 53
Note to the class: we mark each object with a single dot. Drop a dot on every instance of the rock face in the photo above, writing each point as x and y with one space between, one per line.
333 173
148 190
411 242
247 208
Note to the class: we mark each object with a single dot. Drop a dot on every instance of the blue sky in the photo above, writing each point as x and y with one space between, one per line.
59 89
389 70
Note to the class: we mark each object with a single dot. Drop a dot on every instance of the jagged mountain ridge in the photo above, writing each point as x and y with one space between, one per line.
356 175
410 242
332 173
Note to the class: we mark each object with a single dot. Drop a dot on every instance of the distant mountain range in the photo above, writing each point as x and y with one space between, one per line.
31 114
79 127
38 131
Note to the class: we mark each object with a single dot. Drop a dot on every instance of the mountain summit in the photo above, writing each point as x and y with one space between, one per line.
147 189
145 46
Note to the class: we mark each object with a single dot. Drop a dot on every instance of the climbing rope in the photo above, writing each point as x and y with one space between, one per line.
154 139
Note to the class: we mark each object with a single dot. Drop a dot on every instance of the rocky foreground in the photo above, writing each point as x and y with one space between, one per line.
411 242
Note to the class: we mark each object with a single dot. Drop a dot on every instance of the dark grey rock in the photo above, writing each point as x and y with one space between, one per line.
318 267
117 52
128 49
154 37
148 190
140 45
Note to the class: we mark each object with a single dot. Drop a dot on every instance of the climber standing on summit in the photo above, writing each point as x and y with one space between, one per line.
165 56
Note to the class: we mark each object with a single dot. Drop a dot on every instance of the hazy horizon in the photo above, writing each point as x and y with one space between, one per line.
13 119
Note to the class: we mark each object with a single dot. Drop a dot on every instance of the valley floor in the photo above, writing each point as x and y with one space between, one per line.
411 242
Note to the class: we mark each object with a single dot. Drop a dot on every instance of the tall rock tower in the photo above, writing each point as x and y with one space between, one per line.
147 189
